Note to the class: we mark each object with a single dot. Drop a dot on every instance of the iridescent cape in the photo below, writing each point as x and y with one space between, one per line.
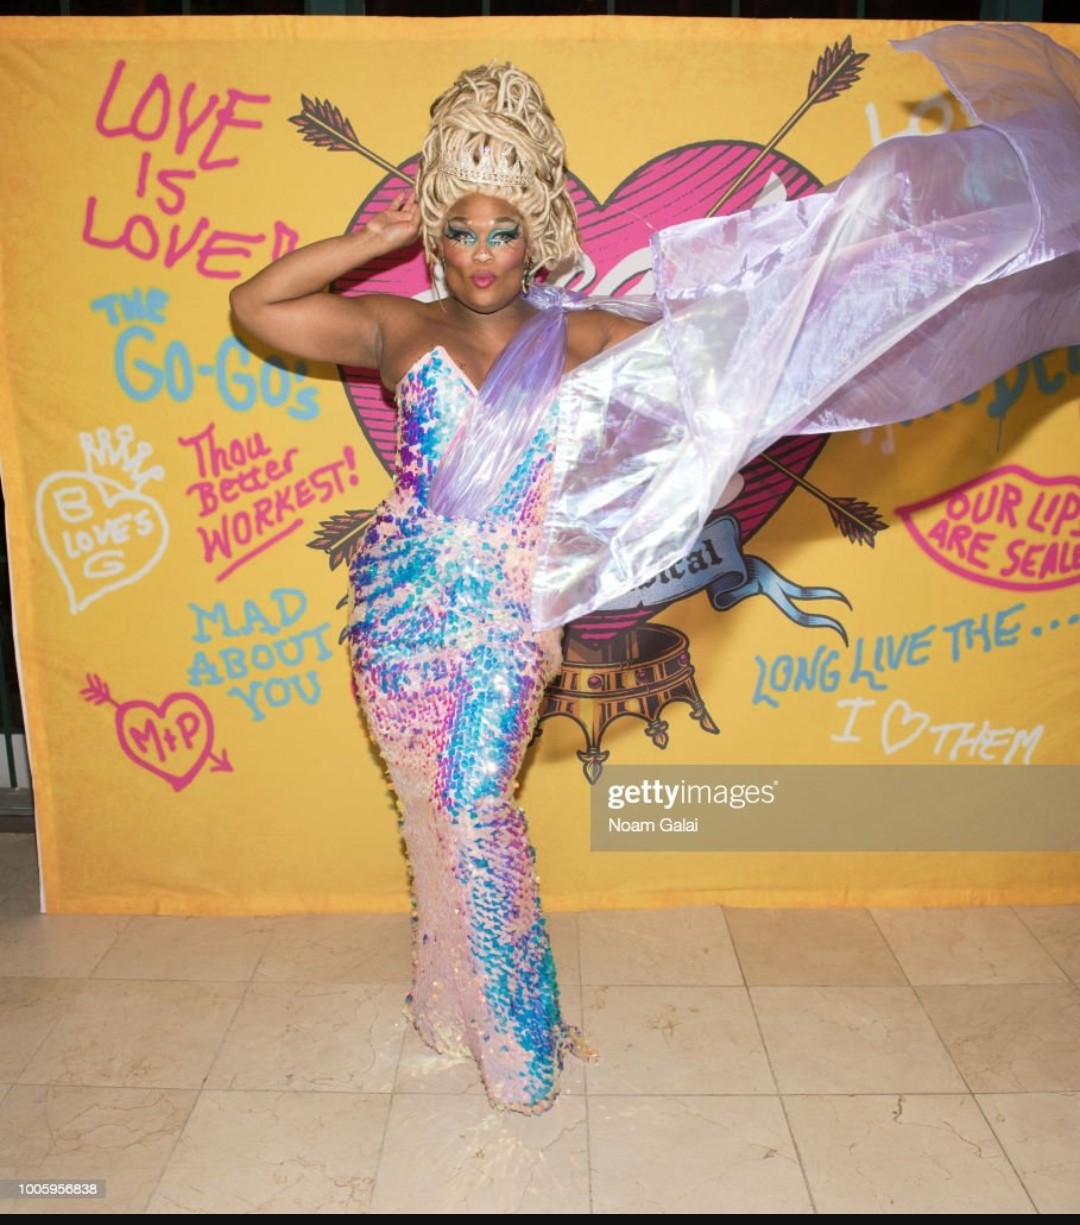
938 263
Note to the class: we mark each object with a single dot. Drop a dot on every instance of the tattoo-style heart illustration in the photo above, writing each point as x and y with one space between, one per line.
681 185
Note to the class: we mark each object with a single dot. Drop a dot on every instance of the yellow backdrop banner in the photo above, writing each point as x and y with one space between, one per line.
181 504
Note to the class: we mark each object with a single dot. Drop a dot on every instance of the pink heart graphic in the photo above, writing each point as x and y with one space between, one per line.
681 185
172 740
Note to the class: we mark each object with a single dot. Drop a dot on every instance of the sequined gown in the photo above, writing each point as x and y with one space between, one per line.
450 675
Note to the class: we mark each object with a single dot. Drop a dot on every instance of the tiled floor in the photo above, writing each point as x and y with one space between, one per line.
922 1061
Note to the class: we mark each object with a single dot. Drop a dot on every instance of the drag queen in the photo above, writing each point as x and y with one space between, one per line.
449 668
494 535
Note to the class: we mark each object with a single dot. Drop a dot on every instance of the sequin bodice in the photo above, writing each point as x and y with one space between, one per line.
433 397
423 583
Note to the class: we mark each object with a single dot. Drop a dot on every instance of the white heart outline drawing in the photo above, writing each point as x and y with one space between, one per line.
111 492
911 714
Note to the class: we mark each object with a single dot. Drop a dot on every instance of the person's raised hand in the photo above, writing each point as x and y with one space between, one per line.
398 225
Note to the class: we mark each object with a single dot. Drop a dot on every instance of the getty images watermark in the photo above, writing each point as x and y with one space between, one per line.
835 808
654 793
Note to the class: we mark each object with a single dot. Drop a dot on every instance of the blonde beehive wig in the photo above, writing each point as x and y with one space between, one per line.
491 133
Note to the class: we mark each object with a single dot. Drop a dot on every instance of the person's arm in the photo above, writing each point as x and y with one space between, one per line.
620 327
593 331
286 304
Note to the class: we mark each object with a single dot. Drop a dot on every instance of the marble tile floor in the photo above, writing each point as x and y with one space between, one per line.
757 1061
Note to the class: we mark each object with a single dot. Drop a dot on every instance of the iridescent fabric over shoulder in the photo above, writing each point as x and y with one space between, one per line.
938 263
450 675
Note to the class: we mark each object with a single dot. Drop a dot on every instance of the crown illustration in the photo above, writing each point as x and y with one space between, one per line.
118 457
485 171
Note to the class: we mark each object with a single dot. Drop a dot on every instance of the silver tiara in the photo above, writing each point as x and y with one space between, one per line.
487 171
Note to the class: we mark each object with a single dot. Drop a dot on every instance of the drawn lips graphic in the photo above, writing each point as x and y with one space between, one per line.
681 185
1010 528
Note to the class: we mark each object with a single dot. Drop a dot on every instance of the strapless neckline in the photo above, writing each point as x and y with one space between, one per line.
426 357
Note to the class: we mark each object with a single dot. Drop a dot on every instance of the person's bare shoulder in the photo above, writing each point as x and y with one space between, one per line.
409 328
592 331
399 313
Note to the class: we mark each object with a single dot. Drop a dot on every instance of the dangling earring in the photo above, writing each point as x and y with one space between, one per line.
438 277
527 279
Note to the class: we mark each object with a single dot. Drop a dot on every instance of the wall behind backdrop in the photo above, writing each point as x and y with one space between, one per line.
181 506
